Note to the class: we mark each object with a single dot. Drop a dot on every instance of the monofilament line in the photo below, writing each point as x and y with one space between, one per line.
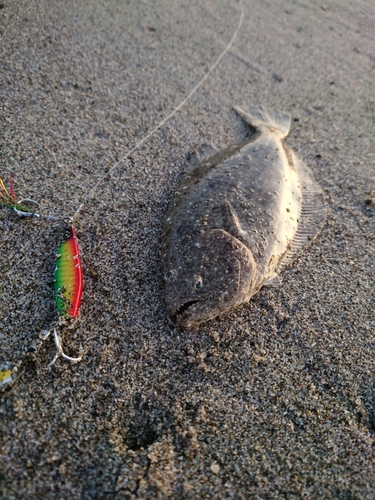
152 132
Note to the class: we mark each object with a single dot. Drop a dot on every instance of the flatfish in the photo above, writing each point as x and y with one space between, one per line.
236 220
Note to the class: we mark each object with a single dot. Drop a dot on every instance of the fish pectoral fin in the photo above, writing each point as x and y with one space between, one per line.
232 223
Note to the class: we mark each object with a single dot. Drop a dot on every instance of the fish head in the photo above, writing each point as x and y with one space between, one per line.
213 275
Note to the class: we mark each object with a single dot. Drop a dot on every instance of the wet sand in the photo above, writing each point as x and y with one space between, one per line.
276 400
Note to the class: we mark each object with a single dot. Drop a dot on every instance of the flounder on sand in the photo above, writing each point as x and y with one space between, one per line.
236 220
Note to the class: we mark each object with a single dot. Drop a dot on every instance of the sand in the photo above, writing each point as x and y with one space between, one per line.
276 400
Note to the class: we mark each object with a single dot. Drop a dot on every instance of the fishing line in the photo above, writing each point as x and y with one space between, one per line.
176 109
68 273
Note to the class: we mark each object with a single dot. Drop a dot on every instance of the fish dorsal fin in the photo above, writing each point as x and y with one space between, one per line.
202 154
312 213
199 169
260 117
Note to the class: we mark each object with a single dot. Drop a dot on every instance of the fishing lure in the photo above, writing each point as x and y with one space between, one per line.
68 282
68 286
68 277
5 376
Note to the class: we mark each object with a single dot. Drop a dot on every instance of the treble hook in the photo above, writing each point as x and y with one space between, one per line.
59 349
32 215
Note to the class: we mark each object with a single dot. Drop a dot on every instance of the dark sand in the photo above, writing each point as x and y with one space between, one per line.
276 400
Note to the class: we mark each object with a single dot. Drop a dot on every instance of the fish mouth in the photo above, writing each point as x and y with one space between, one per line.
193 312
184 308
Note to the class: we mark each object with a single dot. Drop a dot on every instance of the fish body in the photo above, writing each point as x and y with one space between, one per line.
235 219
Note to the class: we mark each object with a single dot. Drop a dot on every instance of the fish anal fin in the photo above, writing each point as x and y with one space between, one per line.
312 213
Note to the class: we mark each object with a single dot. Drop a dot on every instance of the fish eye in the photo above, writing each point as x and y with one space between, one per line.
198 282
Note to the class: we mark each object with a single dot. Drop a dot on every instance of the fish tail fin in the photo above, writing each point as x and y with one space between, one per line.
260 116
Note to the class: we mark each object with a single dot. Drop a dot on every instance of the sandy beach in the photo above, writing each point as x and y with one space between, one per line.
273 401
